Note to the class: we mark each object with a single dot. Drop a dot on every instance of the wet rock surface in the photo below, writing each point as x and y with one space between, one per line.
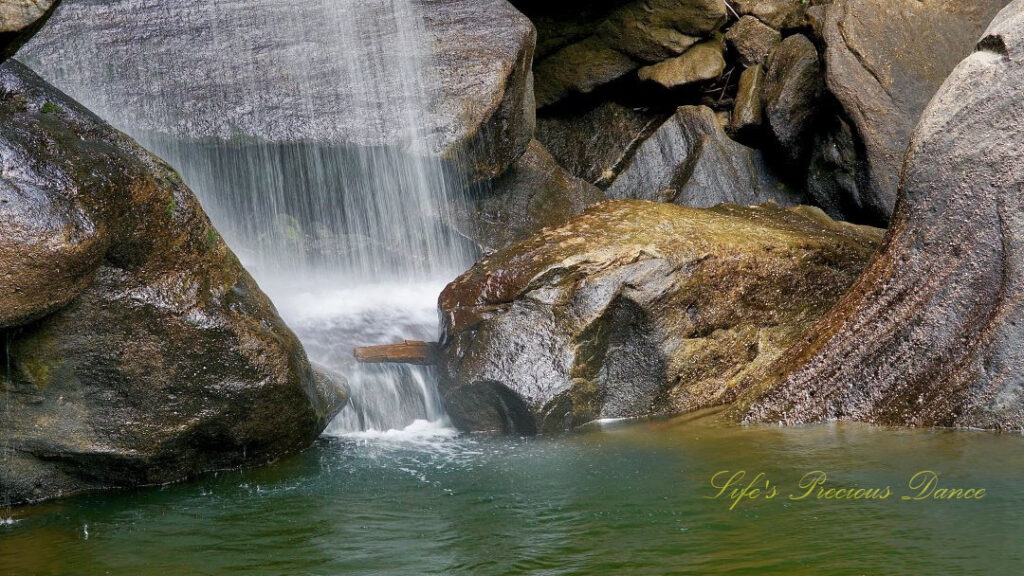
690 161
141 352
637 308
933 332
884 62
170 70
535 193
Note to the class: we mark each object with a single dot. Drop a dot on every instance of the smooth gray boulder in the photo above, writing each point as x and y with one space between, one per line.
156 356
637 309
690 161
884 60
933 333
346 73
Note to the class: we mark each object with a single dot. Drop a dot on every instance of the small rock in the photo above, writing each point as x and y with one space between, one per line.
779 14
752 40
747 113
702 62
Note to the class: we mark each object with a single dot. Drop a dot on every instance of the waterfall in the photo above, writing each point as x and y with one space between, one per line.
304 129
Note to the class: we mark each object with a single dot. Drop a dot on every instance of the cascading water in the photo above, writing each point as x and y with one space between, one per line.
347 235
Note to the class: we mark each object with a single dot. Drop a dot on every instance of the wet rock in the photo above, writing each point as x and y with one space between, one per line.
690 161
884 61
579 69
792 97
636 309
169 360
748 111
595 142
752 40
167 70
933 332
535 193
702 62
19 20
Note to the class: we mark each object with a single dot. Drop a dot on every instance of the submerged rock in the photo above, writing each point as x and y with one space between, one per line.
322 70
690 161
535 193
884 61
595 142
637 308
140 350
933 332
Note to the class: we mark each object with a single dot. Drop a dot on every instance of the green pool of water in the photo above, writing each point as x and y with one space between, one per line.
621 499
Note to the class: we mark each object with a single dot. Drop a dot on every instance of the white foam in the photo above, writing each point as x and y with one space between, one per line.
419 432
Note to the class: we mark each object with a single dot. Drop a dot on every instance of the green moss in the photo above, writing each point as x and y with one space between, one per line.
211 238
172 206
49 108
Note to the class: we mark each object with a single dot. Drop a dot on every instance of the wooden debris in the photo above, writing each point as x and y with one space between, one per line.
405 352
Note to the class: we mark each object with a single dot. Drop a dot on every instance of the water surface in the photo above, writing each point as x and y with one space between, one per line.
621 498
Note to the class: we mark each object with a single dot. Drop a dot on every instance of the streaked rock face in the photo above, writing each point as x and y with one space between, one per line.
139 351
637 308
933 333
189 70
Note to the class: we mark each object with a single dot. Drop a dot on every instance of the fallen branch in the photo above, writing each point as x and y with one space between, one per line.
405 352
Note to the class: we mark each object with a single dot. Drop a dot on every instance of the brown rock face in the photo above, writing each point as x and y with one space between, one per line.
933 332
637 308
884 60
145 353
535 193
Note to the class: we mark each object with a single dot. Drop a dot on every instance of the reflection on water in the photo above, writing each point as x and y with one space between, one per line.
625 498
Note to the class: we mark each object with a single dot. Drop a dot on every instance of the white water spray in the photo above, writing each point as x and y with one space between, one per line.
304 128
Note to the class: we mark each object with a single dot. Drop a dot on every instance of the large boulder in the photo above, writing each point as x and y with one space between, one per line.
690 161
595 142
884 61
933 333
637 308
139 351
171 69
535 193
19 20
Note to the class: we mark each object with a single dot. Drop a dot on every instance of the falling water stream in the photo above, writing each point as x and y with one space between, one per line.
334 207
